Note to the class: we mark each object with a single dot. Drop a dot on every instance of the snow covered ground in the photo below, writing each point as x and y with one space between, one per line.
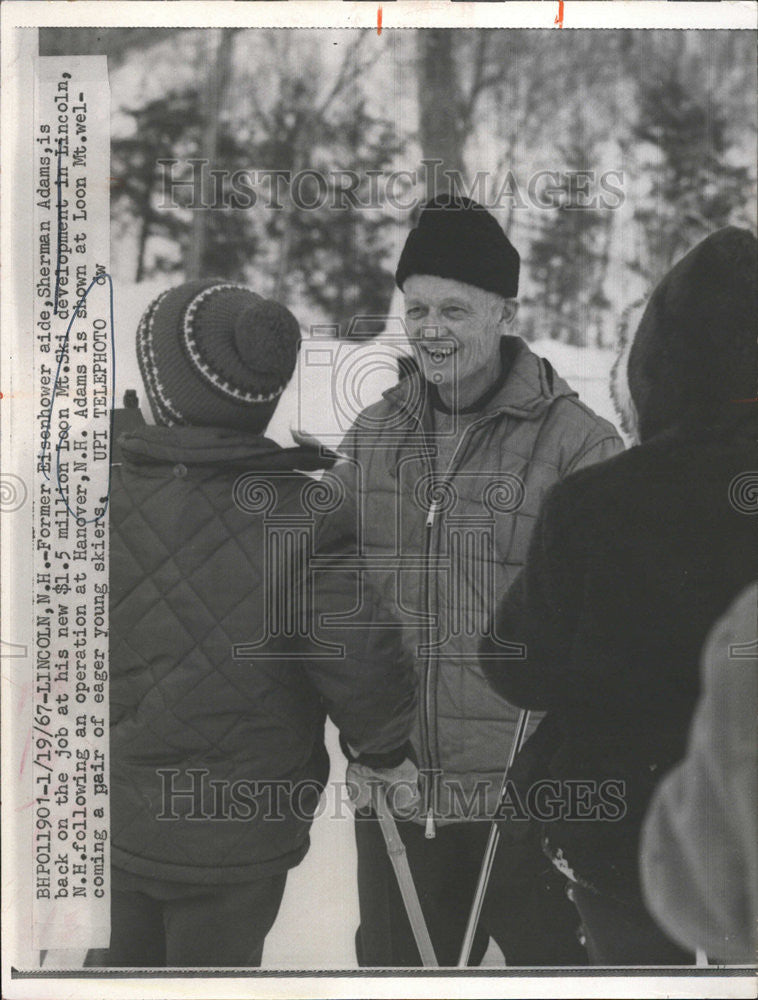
334 380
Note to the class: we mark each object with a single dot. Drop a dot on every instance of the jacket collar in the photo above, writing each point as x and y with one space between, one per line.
216 446
530 387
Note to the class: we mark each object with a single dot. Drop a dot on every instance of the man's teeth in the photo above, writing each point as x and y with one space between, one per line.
440 353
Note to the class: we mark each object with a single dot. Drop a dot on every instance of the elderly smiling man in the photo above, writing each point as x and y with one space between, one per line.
447 473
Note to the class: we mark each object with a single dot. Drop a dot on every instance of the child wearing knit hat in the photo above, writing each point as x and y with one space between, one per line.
215 354
217 758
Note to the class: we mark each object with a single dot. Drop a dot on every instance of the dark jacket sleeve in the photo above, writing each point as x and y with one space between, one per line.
368 687
363 673
540 611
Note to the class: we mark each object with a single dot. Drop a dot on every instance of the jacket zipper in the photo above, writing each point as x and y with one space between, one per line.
431 789
429 804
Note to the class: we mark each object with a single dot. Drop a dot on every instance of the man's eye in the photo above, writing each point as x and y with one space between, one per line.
455 311
416 312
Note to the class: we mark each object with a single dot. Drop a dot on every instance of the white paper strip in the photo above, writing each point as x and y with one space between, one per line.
73 337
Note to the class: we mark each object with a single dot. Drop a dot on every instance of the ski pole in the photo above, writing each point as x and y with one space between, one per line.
399 859
489 851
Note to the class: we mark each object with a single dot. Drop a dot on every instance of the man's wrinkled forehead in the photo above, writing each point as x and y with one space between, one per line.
429 289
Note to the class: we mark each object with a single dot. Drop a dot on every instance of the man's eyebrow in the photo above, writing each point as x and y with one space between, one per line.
452 301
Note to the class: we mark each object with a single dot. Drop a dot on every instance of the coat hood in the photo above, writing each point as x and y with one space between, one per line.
694 360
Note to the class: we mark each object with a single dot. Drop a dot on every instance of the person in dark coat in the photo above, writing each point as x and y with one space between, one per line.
217 705
630 564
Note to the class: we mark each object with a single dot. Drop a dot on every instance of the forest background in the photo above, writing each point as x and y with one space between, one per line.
666 120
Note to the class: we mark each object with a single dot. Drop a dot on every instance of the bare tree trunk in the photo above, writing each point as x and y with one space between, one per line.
285 243
439 101
308 122
602 271
144 233
523 100
213 95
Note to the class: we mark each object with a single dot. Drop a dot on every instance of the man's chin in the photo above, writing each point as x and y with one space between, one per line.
442 379
440 374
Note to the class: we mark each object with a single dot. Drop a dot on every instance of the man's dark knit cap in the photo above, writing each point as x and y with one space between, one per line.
457 238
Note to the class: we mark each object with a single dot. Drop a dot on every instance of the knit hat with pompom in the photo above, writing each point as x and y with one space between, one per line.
215 354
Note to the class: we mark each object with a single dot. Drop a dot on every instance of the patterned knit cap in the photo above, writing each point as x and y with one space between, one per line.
215 354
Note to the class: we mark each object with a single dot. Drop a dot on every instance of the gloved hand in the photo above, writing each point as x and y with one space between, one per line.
400 785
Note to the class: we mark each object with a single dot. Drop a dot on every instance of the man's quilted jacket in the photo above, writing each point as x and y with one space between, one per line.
217 758
443 550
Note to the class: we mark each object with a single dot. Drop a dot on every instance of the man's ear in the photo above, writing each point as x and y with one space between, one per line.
510 308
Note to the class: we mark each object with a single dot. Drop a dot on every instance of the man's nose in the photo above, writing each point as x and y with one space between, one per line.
433 328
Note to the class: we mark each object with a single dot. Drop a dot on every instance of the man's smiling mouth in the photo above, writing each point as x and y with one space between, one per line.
439 352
